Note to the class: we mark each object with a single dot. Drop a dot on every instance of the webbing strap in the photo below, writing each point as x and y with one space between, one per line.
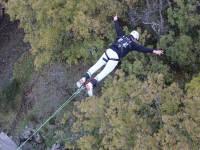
106 60
61 107
120 43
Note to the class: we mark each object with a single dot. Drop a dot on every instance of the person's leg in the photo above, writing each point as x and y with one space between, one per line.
92 70
98 65
111 64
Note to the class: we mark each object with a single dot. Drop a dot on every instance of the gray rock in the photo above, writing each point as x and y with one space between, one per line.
6 143
38 138
26 134
56 146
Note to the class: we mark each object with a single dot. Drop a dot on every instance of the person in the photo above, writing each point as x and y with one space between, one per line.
110 58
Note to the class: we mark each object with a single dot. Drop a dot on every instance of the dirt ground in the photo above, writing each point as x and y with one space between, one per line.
11 48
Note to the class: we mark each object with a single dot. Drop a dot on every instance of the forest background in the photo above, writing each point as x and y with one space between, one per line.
151 102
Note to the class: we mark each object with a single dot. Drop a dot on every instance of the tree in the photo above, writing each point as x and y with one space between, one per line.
111 121
153 18
66 30
181 130
182 42
192 111
144 65
130 114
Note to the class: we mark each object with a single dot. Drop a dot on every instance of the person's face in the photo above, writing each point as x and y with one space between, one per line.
134 40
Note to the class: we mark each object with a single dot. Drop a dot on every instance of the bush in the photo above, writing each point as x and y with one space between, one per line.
12 96
9 93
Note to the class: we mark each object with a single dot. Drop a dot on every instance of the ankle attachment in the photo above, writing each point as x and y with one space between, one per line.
86 75
94 81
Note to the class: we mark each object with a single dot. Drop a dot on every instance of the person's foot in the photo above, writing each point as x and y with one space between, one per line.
89 88
80 82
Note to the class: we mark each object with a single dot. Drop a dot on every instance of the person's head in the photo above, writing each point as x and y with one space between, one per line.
135 35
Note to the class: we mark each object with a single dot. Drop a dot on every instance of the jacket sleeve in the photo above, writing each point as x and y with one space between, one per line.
118 29
141 48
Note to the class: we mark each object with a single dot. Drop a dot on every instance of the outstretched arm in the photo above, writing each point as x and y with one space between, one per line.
158 52
117 27
143 49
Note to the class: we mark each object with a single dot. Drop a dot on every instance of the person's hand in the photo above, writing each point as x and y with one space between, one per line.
158 52
115 18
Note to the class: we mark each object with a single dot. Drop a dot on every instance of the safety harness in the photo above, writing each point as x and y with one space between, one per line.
108 58
121 43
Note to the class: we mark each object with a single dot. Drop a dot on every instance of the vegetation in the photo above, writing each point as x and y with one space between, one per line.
152 102
65 30
13 94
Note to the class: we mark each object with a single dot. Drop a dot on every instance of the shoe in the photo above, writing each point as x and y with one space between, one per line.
80 82
89 88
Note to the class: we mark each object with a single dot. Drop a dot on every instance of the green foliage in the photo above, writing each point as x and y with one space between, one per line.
182 129
106 120
170 136
61 27
87 45
194 85
12 96
131 114
144 65
182 42
190 122
183 15
24 68
49 142
126 114
182 50
9 94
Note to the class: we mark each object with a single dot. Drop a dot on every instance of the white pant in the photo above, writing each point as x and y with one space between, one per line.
110 65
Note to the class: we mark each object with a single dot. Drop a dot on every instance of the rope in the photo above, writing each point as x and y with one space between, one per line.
61 107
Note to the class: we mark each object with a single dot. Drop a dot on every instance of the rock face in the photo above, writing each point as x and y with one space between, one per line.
6 143
56 146
26 134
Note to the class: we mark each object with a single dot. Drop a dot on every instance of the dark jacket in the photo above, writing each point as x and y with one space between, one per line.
130 47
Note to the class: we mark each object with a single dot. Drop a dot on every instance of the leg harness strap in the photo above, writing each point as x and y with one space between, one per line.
106 60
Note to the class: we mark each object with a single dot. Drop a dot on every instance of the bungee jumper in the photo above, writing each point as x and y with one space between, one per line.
110 58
